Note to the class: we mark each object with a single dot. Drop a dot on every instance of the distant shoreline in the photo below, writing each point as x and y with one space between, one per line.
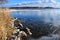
33 8
30 7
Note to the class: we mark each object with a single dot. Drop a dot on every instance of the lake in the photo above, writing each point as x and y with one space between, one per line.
39 21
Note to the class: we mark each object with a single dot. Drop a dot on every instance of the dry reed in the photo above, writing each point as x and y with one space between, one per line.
5 24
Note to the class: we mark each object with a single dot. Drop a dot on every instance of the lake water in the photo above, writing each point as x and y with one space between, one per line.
40 21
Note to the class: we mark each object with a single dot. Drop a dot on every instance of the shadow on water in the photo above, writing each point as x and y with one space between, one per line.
39 22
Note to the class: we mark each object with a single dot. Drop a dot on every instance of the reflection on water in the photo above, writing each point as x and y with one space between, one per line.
47 15
39 21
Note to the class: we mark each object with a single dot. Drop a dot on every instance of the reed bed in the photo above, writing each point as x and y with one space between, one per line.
6 28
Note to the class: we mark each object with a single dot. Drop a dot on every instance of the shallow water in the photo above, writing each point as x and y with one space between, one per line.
42 18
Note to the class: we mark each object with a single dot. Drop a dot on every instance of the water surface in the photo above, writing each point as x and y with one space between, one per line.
39 20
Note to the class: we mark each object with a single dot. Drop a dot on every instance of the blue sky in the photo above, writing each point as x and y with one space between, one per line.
58 0
12 2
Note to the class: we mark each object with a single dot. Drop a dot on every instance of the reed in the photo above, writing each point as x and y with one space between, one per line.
5 23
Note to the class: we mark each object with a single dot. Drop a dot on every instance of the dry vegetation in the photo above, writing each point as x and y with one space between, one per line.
5 24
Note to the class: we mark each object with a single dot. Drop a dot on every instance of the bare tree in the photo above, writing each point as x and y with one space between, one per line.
3 1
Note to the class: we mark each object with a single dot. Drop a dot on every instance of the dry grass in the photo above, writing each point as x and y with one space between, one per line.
5 23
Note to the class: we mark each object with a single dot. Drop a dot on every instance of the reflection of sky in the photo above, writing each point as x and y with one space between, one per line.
50 16
12 2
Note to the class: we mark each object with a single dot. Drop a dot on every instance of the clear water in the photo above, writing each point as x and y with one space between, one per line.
46 15
39 18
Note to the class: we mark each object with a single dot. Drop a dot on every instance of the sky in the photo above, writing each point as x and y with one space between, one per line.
12 2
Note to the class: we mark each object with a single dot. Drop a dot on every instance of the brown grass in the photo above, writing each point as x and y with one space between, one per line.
5 24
